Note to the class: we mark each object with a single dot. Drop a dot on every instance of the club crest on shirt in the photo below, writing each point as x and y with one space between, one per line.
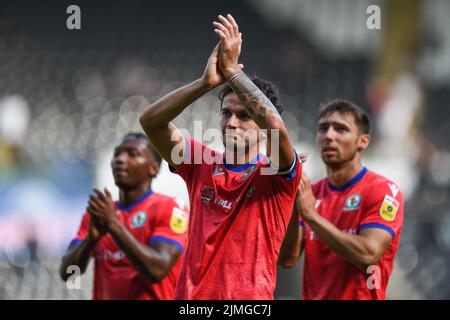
178 221
138 219
206 194
389 208
352 202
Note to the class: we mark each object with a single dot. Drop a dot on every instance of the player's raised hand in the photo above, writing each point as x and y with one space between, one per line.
303 157
212 75
231 41
101 206
96 228
305 198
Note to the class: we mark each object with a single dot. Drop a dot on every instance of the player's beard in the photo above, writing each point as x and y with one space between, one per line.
239 145
339 162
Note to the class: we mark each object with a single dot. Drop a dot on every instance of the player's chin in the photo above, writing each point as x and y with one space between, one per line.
331 160
121 182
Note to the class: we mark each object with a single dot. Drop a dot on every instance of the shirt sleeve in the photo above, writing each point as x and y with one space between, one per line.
289 180
193 154
171 223
383 208
83 230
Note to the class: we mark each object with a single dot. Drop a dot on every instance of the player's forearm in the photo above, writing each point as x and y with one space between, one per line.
264 113
258 106
170 106
77 256
147 260
352 248
292 246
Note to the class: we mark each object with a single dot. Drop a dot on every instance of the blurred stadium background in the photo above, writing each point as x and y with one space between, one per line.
66 97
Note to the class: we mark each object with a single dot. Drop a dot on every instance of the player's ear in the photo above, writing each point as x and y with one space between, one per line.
363 141
153 169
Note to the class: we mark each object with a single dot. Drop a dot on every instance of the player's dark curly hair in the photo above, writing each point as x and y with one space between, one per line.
269 90
141 136
342 106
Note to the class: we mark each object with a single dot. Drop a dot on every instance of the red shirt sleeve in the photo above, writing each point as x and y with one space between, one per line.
289 181
171 223
383 208
194 154
83 229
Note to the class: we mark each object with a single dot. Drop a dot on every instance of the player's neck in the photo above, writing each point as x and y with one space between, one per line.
130 196
338 176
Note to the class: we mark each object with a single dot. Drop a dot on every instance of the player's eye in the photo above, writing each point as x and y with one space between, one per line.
244 116
225 113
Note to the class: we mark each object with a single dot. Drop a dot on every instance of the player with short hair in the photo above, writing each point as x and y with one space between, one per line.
239 214
136 242
348 224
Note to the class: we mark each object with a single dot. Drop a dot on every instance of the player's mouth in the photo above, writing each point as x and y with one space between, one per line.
120 171
329 151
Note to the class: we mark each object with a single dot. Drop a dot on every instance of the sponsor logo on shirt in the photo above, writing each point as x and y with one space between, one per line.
206 194
223 203
178 221
352 202
389 207
138 219
110 255
314 236
394 189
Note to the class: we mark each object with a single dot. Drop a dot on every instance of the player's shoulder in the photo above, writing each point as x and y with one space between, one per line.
168 200
378 183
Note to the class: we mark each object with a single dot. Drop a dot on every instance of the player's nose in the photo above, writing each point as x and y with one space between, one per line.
330 134
120 158
233 122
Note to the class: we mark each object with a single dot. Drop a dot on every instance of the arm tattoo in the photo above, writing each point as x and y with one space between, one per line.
256 103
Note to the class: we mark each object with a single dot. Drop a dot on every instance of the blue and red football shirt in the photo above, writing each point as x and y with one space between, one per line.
368 200
154 217
238 220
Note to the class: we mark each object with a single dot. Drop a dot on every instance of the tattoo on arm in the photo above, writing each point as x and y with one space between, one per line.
257 104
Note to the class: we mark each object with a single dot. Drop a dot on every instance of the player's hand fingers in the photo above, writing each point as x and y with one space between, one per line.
234 24
220 34
222 28
100 194
227 25
107 193
306 180
303 157
301 186
94 205
94 213
241 66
